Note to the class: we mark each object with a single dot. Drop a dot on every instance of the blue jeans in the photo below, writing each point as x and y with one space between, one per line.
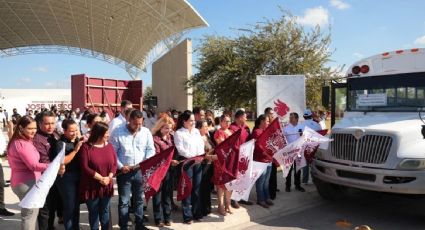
194 200
130 183
306 173
262 185
98 209
162 200
68 189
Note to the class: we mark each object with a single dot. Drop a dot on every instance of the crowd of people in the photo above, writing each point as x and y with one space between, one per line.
97 149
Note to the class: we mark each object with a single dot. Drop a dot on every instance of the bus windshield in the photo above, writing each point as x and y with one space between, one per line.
402 92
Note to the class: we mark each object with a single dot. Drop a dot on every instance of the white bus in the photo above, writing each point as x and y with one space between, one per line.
378 144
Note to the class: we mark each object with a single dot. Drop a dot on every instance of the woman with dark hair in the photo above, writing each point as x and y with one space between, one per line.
189 144
69 182
207 170
91 119
83 121
262 184
163 140
98 162
24 163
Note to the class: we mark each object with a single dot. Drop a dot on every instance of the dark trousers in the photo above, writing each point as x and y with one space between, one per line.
273 182
192 204
68 189
162 200
130 183
297 176
98 211
206 188
46 214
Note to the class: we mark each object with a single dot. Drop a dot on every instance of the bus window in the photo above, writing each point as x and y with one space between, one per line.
421 94
401 95
411 94
390 95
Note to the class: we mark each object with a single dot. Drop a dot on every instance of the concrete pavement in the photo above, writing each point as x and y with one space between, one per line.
285 204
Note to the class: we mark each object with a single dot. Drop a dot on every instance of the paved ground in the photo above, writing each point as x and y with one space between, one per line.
294 210
378 211
285 203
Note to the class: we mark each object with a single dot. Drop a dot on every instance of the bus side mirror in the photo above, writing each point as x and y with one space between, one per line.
325 96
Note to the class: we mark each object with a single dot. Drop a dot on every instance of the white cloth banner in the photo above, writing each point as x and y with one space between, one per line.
295 151
246 152
257 169
36 197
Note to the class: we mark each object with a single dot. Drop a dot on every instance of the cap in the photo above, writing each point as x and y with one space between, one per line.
308 113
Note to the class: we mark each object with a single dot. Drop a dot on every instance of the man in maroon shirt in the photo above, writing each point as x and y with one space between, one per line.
240 122
43 141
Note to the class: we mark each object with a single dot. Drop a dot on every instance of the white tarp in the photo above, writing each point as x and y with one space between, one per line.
36 197
275 90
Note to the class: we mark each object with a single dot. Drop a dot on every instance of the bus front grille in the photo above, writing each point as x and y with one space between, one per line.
369 148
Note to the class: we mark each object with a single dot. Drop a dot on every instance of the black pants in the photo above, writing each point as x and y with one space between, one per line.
53 204
273 182
297 177
162 201
206 188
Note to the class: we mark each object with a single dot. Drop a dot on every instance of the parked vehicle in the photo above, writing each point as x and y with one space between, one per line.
377 144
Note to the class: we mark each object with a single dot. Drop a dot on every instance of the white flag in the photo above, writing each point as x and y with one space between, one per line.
295 151
257 169
286 156
36 197
246 151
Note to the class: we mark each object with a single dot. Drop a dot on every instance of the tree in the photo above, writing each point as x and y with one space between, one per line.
148 92
228 66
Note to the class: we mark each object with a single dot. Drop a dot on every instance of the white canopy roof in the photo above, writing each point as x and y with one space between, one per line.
123 32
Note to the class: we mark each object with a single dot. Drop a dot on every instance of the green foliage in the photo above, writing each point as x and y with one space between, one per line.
148 92
228 66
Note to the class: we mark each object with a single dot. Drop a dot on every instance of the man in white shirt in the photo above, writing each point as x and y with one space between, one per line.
292 132
125 104
309 122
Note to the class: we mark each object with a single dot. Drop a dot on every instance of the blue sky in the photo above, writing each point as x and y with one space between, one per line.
359 29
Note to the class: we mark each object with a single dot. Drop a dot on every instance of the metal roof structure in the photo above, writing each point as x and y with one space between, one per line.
128 33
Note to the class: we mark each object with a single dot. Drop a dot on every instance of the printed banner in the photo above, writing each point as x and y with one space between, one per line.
243 179
36 197
257 169
295 151
154 170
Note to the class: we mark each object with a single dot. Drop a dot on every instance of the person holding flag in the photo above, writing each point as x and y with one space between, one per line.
223 195
133 144
262 183
293 131
24 163
240 123
163 140
207 168
190 145
69 182
98 164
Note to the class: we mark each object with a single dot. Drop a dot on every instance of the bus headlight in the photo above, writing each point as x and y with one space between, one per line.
412 164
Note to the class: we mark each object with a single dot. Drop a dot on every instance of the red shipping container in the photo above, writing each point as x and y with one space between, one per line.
95 93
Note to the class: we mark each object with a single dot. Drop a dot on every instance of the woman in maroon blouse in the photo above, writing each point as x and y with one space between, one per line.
262 183
163 139
98 162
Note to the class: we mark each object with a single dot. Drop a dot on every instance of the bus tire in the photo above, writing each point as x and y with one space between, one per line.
329 191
